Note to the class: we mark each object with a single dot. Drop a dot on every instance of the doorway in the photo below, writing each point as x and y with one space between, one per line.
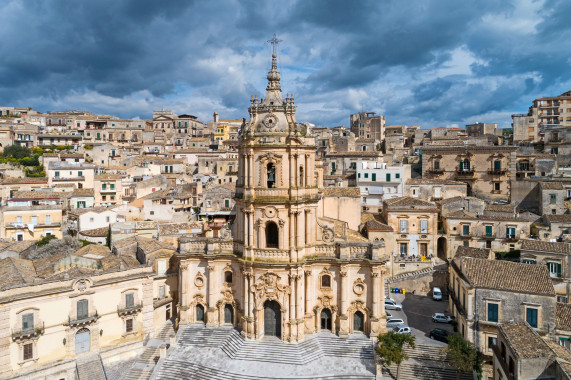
326 319
82 341
199 313
228 314
272 319
358 322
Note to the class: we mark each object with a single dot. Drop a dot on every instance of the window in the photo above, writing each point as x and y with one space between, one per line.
161 291
552 199
57 174
564 342
27 321
129 300
34 220
554 269
326 281
488 244
129 325
437 165
531 316
112 186
492 340
465 230
437 192
403 226
529 261
562 299
397 175
466 165
496 186
366 175
226 203
510 232
228 277
497 165
374 176
423 226
28 351
162 267
492 312
107 219
82 309
403 249
388 177
104 186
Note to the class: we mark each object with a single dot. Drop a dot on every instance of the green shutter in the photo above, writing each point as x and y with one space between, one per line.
558 270
374 176
388 177
397 175
488 230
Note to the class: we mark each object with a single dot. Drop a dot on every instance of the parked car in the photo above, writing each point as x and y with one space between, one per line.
392 305
436 294
439 334
402 329
440 317
394 322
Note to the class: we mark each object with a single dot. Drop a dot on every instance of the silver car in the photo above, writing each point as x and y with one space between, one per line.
402 329
390 304
394 322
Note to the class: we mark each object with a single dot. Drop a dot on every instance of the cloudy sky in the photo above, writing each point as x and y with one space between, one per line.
418 62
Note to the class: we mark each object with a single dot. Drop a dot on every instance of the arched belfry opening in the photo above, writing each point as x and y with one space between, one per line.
271 175
272 235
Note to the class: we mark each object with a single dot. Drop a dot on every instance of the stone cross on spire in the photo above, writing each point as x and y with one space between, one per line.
275 42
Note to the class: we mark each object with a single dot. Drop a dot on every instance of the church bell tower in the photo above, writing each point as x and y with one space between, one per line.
276 192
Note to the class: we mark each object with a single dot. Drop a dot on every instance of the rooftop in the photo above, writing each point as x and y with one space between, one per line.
524 341
546 246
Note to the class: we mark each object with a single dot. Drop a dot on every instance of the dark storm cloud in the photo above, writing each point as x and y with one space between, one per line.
423 62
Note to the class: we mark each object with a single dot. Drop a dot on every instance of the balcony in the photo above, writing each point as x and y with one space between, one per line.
555 140
456 301
465 172
28 333
82 320
108 191
122 140
130 310
61 179
435 171
512 236
497 171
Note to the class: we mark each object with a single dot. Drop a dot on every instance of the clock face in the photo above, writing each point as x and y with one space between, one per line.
270 121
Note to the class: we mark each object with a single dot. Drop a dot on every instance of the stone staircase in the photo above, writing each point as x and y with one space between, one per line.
90 368
412 275
143 367
425 362
230 343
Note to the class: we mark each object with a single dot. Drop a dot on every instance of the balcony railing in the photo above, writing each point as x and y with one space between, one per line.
434 171
78 178
129 310
82 320
28 333
512 236
465 172
497 171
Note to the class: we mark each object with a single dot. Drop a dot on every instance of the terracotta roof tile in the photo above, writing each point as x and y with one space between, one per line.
407 202
479 253
563 316
524 341
491 274
353 192
546 246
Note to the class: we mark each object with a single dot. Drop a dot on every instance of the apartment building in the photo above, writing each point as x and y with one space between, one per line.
368 125
31 215
379 182
109 189
81 175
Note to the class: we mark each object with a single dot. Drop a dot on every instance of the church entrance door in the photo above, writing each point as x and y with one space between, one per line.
272 319
228 314
326 319
358 321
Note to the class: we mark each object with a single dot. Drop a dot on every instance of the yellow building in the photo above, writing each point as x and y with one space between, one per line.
31 215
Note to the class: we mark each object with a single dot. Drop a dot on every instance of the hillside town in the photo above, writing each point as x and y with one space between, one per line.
173 246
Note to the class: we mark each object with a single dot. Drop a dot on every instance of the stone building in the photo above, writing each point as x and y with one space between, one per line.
280 269
487 170
486 292
434 189
367 125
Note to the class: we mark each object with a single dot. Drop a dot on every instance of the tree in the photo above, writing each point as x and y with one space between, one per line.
16 151
391 348
462 355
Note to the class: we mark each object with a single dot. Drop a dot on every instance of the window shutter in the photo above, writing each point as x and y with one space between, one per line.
558 270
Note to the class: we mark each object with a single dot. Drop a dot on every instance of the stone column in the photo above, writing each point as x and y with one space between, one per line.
246 301
251 228
300 229
376 294
246 171
183 302
251 169
291 171
343 317
211 317
292 229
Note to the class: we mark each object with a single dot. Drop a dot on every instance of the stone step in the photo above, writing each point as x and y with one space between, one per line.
415 371
173 369
90 369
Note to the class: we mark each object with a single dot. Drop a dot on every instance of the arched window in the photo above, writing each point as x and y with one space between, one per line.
326 281
466 165
228 276
301 184
272 235
271 173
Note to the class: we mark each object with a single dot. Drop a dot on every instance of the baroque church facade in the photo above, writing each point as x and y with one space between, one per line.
283 268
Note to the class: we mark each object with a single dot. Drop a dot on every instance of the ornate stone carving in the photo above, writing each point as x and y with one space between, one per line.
269 288
199 280
359 287
328 235
270 212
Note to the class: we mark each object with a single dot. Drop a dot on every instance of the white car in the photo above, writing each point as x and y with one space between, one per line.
402 329
392 305
440 317
392 322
